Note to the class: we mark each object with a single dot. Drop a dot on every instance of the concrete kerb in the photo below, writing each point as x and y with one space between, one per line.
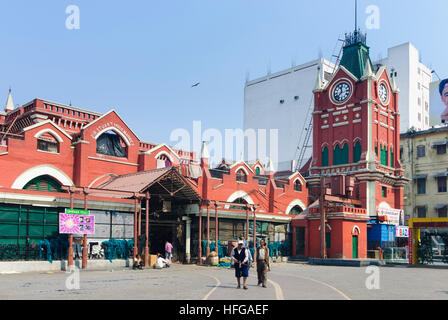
346 262
11 267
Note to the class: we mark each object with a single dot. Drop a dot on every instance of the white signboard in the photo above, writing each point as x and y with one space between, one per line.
402 232
392 215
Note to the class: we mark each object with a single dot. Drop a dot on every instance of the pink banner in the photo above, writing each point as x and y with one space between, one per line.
76 224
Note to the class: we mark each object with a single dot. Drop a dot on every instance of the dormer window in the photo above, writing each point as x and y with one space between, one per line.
241 176
47 143
297 186
163 161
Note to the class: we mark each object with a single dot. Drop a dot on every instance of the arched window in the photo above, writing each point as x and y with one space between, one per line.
241 176
111 144
47 143
295 211
297 186
357 152
257 171
240 201
340 156
43 183
325 157
391 157
383 153
163 161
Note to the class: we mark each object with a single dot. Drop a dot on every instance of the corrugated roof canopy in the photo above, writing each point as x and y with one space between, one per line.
166 182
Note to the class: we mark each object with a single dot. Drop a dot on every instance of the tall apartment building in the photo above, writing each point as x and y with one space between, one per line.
425 160
413 79
282 100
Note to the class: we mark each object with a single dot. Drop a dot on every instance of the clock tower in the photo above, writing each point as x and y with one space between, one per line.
356 131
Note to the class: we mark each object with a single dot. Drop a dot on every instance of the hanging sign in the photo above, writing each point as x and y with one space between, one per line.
76 224
392 216
402 232
77 211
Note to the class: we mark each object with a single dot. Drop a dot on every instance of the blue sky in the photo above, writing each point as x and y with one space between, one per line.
141 57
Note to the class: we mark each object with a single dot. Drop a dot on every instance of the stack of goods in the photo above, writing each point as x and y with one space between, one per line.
224 262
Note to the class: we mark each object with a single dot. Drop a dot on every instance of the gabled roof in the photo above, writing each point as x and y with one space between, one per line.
166 181
241 163
347 72
37 125
160 146
105 115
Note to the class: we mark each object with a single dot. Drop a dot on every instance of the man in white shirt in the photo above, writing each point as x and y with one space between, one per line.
240 260
161 263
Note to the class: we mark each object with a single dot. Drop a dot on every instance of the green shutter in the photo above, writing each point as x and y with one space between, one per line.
337 156
341 155
391 158
357 152
383 155
325 157
328 240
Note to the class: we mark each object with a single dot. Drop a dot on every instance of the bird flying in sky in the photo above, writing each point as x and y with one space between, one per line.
195 85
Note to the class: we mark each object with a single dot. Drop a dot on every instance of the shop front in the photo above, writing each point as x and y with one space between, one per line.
428 241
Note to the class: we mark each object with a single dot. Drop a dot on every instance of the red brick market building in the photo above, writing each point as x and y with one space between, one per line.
46 147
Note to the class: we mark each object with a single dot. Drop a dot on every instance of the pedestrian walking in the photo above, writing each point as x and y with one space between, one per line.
262 263
168 251
240 260
249 254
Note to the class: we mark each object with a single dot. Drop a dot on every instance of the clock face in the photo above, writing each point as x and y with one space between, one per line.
383 93
342 92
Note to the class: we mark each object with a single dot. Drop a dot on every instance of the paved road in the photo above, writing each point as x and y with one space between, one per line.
181 282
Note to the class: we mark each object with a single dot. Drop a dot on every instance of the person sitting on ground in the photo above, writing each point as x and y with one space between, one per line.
161 262
138 263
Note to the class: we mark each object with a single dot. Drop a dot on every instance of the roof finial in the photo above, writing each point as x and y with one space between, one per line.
319 83
269 167
204 151
9 106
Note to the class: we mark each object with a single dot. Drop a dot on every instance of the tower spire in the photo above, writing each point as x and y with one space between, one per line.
9 106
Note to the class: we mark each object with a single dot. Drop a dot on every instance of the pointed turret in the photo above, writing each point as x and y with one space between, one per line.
367 73
393 85
319 84
9 106
269 168
205 155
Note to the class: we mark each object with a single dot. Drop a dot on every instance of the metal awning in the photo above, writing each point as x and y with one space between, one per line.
441 174
440 206
420 176
439 143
